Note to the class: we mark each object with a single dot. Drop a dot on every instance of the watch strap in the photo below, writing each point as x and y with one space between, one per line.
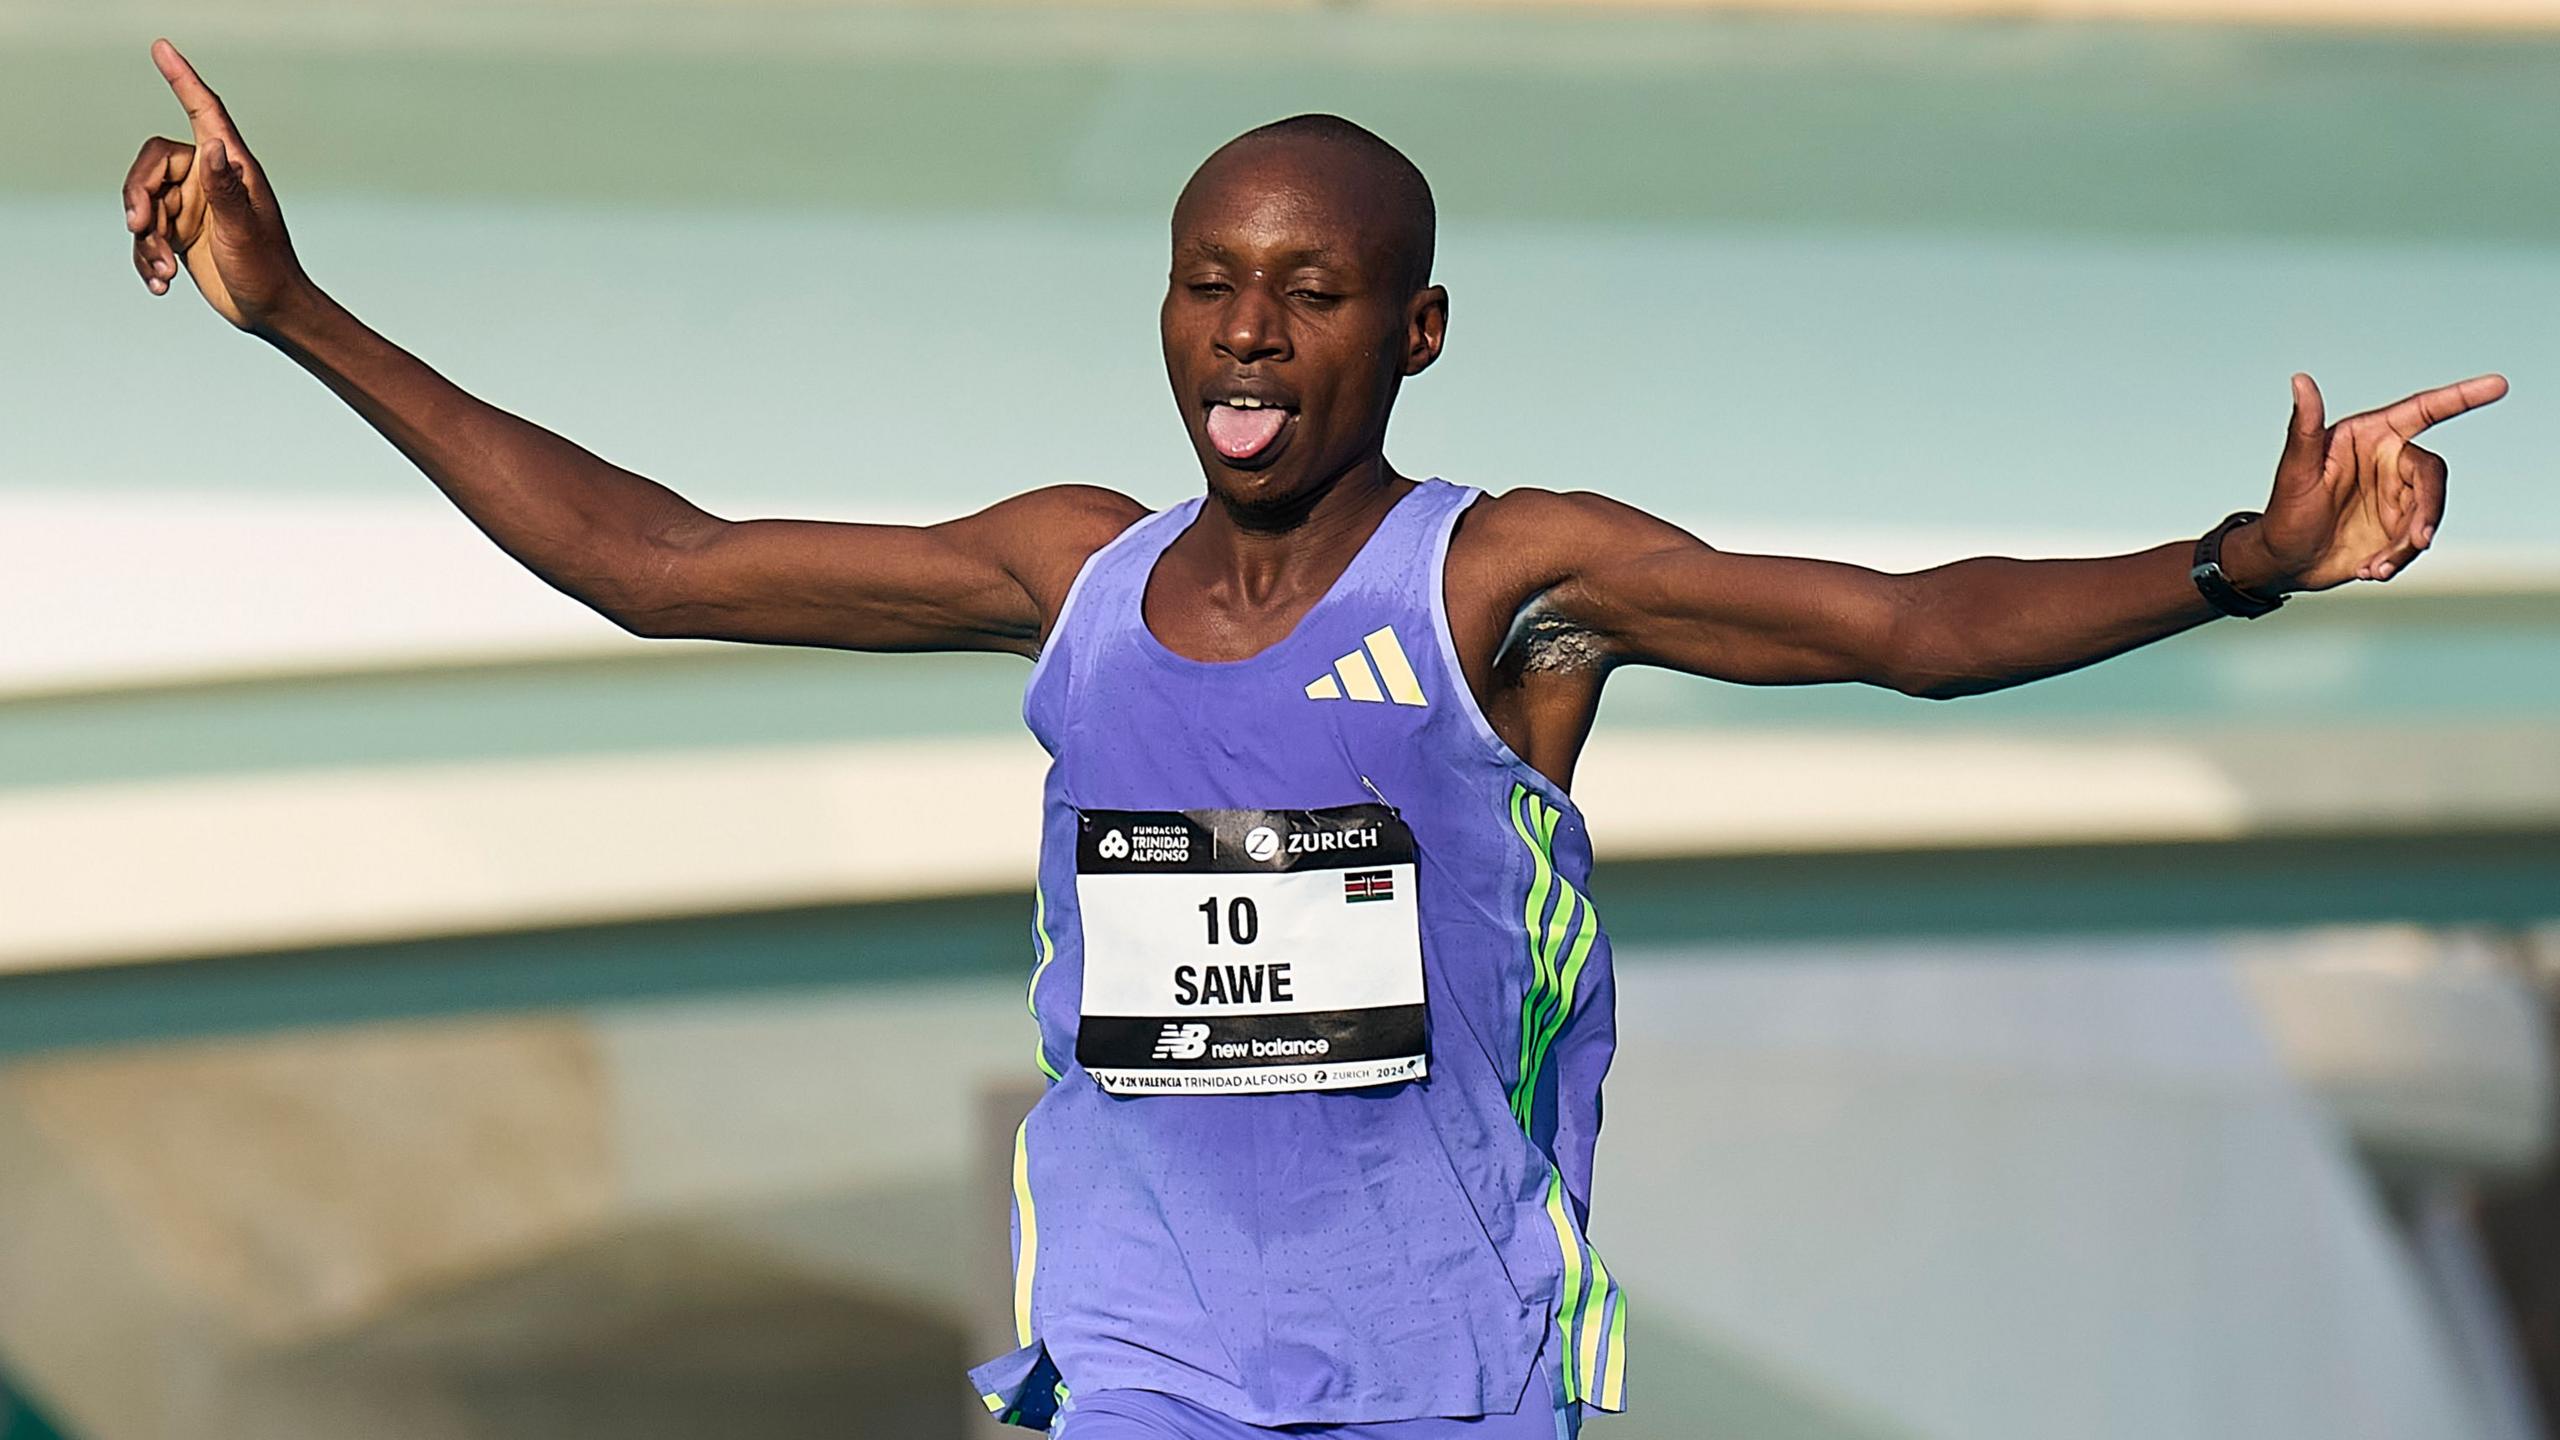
2215 586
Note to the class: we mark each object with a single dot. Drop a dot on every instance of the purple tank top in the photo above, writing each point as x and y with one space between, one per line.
1269 857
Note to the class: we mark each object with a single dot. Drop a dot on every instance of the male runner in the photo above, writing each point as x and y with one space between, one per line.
1321 1001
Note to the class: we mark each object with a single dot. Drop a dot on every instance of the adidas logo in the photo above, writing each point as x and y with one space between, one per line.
1353 679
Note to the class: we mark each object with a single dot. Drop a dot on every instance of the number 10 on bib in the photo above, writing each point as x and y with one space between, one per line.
1248 951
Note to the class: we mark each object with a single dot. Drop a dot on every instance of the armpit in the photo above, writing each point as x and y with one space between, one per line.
1544 642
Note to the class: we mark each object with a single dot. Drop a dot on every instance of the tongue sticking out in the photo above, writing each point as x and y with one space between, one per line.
1241 434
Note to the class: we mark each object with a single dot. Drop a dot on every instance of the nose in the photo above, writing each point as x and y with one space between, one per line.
1254 326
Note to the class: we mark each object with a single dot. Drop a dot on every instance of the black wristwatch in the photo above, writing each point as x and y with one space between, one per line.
2215 586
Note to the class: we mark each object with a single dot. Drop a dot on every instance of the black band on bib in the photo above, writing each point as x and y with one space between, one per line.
1127 842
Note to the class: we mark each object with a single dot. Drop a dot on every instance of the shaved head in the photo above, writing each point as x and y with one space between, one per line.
1367 177
1298 300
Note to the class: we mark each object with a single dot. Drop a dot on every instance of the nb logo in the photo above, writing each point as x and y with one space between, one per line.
1182 1042
1114 846
1354 679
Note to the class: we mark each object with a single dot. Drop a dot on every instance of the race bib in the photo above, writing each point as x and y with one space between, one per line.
1248 951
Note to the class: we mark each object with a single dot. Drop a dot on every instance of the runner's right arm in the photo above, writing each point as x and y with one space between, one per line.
630 548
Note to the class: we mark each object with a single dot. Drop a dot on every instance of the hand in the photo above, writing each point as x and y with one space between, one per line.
2353 501
207 204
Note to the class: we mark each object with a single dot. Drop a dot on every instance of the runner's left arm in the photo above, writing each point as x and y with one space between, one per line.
2358 500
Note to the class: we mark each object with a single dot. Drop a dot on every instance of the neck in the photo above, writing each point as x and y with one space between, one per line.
1263 546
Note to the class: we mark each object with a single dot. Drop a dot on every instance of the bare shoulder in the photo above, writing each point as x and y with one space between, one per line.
1531 510
1044 536
1065 514
1542 538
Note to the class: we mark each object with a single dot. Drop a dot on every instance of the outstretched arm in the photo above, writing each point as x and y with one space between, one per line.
623 544
2355 500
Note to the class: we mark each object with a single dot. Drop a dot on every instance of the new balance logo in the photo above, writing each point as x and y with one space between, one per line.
1353 679
1182 1042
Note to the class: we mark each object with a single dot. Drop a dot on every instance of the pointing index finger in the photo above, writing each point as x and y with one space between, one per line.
2434 407
204 108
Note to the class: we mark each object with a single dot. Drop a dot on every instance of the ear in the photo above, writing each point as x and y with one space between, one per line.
1426 321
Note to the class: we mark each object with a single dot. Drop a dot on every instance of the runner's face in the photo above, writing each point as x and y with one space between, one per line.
1287 324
